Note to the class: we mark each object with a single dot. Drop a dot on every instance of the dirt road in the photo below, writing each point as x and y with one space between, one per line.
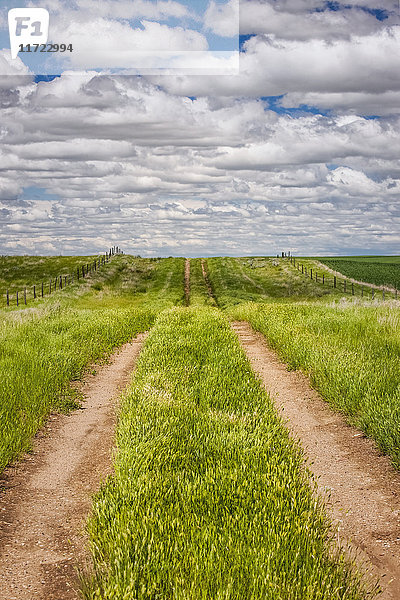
363 487
45 499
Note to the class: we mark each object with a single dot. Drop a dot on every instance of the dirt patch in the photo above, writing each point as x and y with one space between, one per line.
187 282
361 487
46 497
207 282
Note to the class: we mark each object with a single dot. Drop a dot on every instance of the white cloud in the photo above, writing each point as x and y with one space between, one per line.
13 73
121 9
304 22
103 43
144 165
223 19
271 67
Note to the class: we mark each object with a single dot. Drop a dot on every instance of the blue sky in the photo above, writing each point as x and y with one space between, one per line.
297 150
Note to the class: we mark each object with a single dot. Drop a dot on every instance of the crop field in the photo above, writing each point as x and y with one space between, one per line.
210 496
383 270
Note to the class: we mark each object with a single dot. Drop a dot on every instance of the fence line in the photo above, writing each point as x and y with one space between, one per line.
63 280
337 283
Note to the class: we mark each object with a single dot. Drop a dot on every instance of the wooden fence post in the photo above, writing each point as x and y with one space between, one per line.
373 293
17 299
334 281
344 286
311 273
352 288
34 292
25 295
302 268
83 271
323 278
60 284
362 291
8 299
383 295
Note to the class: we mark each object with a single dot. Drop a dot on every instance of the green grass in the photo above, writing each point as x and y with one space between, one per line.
124 281
199 295
41 354
376 270
351 353
210 498
131 281
45 346
259 279
19 272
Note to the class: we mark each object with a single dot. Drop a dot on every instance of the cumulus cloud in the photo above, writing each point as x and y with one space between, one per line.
13 73
223 19
209 165
104 43
270 67
313 20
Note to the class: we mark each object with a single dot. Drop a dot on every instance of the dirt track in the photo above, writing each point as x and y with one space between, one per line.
45 499
363 487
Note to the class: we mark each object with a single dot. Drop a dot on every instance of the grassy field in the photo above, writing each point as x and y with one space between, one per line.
124 279
349 348
199 295
19 272
351 353
210 498
44 347
259 279
383 270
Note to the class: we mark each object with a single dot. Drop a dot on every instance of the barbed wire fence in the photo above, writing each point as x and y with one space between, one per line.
342 283
46 288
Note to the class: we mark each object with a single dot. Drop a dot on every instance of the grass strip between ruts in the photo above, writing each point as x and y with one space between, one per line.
210 498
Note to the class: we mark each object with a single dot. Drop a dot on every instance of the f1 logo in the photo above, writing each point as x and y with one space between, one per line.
27 26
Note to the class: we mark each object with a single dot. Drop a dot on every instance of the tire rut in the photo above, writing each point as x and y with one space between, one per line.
361 488
46 497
